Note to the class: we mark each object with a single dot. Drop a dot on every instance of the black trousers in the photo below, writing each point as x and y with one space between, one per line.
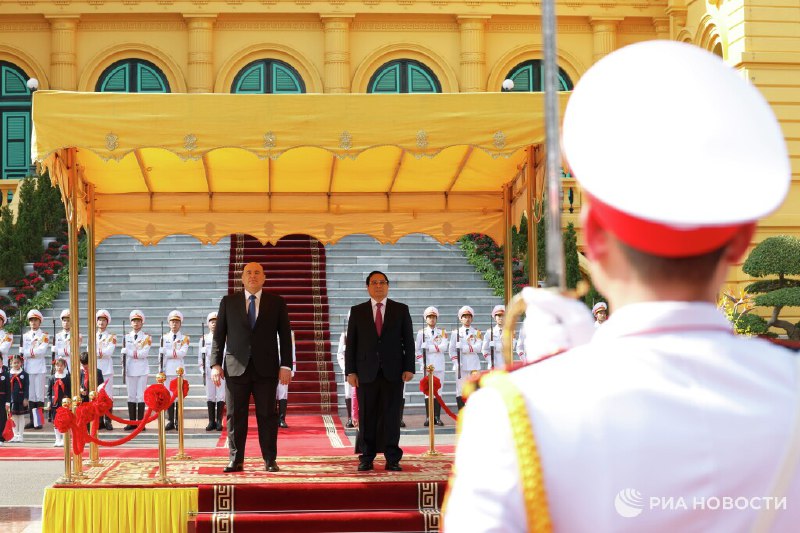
381 397
237 400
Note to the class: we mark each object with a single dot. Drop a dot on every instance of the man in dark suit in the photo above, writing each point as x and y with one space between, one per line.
379 359
250 325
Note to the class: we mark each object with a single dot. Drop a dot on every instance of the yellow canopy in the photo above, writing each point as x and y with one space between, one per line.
209 165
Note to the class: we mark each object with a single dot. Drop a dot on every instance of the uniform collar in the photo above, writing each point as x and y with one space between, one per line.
662 317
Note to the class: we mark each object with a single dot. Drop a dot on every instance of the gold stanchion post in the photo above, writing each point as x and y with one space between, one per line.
77 459
67 404
431 426
162 439
181 454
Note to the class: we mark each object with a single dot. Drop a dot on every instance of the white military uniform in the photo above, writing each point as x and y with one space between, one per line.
106 345
725 407
495 333
176 346
61 347
521 346
6 341
35 350
435 342
468 338
282 392
348 391
213 393
137 367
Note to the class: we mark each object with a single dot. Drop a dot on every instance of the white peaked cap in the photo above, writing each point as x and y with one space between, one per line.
498 309
103 313
136 314
3 316
175 314
431 310
34 313
64 313
667 133
211 316
598 306
465 310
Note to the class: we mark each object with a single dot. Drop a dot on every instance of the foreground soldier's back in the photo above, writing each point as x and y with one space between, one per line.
665 420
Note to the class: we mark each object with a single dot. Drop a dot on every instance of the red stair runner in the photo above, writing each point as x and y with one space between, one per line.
295 269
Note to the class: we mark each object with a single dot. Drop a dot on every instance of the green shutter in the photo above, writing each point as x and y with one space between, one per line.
116 81
420 81
284 81
252 80
387 81
16 144
522 79
14 83
564 83
150 80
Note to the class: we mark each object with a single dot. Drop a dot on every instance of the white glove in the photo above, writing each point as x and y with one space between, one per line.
554 323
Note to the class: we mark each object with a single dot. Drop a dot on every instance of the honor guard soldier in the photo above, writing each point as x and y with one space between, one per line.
36 350
520 346
5 392
600 313
493 340
348 390
135 350
106 345
215 396
61 346
176 346
6 341
663 419
465 345
282 392
58 388
430 347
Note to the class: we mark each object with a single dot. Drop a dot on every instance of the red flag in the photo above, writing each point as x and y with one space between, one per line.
8 432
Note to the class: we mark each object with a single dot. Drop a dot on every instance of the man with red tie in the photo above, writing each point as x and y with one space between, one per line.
379 359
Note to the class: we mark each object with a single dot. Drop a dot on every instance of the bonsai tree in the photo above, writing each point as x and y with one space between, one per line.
776 256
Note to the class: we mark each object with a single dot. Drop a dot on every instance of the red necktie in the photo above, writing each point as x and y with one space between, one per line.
86 380
378 319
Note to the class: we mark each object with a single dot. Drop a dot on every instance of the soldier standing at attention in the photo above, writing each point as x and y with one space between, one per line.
678 157
465 345
434 342
106 345
215 395
494 339
600 312
6 341
176 346
348 390
35 349
282 392
61 345
137 366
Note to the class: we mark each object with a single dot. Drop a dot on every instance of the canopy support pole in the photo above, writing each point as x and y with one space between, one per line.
508 266
74 271
533 259
91 307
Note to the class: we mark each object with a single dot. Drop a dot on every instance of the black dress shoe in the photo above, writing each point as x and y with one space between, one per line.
393 467
283 424
272 466
349 423
233 467
365 466
402 423
426 422
438 422
170 426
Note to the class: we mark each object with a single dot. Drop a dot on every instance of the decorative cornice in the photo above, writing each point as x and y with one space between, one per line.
534 28
132 25
17 27
237 25
406 26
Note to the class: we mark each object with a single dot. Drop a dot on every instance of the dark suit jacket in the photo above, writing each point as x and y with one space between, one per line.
233 334
393 351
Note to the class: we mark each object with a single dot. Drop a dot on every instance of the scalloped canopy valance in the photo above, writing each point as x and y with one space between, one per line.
209 165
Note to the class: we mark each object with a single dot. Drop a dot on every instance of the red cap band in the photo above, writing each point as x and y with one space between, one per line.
658 239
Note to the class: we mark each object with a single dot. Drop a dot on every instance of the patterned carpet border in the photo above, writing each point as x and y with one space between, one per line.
311 469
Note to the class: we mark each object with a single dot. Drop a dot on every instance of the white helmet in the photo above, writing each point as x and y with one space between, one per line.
64 314
136 314
466 310
211 316
103 313
175 315
34 313
498 310
599 306
3 316
431 310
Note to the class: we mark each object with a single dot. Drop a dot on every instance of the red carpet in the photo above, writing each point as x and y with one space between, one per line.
295 269
323 507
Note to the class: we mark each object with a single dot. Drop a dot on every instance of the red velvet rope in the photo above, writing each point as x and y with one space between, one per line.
437 386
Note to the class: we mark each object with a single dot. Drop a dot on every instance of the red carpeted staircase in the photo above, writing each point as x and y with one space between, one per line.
295 269
320 507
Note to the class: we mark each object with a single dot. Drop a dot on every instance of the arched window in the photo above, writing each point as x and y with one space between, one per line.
15 116
528 76
132 76
268 76
404 76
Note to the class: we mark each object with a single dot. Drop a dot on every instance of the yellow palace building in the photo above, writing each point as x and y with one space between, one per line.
372 46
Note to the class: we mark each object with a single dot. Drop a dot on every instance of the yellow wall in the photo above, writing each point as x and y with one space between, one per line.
337 45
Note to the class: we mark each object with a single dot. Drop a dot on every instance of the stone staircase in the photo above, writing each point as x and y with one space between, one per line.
177 273
422 272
